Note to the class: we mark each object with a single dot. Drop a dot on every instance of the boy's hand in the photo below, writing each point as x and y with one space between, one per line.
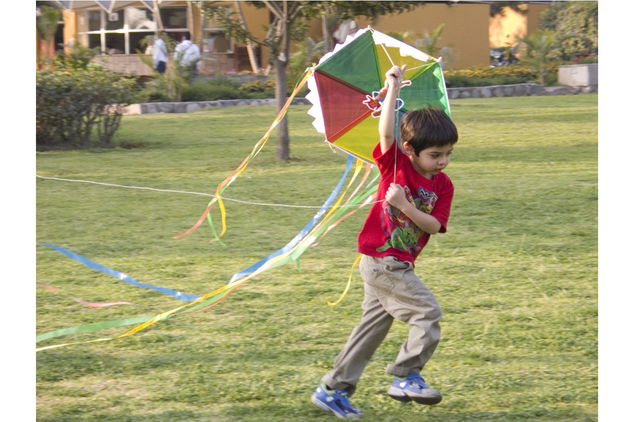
396 197
393 77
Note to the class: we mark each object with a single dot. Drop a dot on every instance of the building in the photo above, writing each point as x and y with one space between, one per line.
121 30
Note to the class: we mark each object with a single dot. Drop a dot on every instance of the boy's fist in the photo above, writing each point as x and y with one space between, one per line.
394 75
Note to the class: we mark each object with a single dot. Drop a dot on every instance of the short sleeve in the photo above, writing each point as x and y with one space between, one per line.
385 162
442 208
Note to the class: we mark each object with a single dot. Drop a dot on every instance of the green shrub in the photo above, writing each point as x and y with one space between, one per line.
258 89
484 75
79 57
225 89
74 105
213 89
501 75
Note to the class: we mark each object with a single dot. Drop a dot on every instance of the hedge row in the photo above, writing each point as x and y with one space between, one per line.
80 107
500 75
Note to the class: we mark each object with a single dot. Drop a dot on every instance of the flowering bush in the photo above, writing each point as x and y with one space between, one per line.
500 75
589 58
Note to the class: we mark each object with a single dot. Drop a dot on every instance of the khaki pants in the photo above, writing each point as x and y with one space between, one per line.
392 290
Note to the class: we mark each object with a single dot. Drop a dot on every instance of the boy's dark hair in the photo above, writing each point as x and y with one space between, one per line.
427 127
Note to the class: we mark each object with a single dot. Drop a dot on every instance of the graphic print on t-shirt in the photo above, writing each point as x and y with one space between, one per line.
401 232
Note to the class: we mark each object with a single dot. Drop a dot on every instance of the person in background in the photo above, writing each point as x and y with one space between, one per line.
159 53
187 54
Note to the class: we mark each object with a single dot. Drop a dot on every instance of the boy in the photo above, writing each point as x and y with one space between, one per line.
413 201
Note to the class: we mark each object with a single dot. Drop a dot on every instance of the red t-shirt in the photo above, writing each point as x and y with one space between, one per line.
388 231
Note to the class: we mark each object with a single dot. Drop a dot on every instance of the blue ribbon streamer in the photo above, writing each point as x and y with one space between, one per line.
303 232
117 274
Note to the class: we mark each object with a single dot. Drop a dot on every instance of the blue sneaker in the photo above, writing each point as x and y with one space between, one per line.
334 401
414 388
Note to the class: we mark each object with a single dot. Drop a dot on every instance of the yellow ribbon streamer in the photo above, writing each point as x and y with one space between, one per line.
349 282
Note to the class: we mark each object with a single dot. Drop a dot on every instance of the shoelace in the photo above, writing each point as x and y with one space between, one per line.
344 403
419 381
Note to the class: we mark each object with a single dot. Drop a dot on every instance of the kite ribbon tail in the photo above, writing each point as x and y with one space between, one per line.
200 220
349 282
231 178
167 314
79 300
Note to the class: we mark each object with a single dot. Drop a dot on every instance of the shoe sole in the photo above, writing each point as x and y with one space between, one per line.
403 397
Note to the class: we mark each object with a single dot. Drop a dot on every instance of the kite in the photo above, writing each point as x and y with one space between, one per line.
345 88
345 92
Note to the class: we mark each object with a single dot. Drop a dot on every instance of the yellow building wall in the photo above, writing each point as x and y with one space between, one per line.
465 30
256 18
70 29
534 16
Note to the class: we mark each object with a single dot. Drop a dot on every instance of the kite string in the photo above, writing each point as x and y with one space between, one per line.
239 201
395 140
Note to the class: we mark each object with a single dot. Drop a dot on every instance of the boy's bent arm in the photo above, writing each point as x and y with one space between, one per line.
396 197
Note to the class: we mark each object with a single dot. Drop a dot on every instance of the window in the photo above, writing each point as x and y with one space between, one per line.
215 39
174 18
123 31
216 42
114 20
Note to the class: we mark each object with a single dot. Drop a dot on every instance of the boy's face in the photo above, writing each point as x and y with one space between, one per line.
431 160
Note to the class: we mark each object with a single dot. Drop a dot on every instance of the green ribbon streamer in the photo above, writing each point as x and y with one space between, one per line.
92 327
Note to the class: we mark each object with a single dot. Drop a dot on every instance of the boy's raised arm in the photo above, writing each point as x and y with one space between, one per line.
393 78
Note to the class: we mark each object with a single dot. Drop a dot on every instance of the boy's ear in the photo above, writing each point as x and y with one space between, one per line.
408 149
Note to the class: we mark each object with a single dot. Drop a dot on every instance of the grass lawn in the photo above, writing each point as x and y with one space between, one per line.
516 274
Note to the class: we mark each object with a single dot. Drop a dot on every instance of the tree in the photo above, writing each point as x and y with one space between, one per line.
542 46
575 24
429 43
289 20
46 25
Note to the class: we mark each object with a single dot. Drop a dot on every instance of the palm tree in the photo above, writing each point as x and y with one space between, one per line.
541 47
429 43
